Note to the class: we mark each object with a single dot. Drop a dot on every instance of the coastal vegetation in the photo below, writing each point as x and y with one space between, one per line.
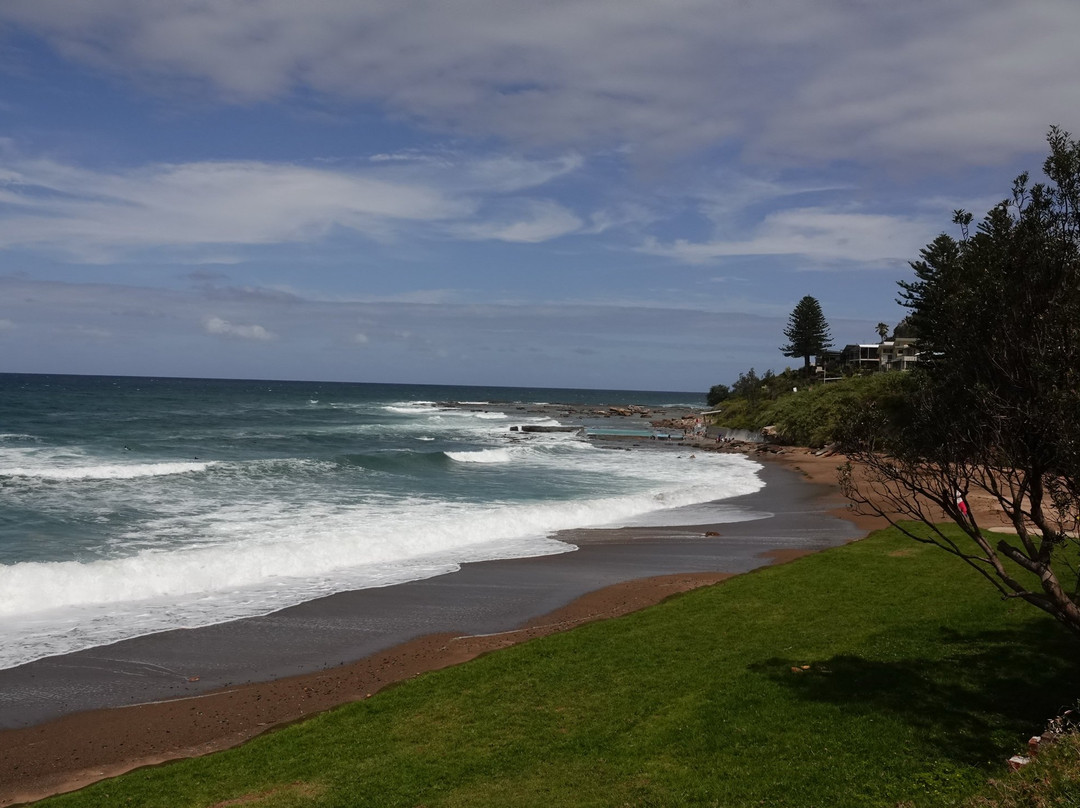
989 408
988 412
993 408
796 413
869 675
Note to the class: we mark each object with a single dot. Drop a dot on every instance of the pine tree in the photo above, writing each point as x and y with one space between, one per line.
807 332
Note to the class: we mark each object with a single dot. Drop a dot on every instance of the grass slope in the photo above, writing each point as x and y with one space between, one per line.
920 683
813 416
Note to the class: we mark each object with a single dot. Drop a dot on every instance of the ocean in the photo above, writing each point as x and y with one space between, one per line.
134 505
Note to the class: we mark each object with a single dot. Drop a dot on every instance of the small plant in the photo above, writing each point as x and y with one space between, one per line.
1050 777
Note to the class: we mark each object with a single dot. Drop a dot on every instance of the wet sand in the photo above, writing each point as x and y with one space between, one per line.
71 720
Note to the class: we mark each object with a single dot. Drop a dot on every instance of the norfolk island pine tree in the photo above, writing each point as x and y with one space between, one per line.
807 332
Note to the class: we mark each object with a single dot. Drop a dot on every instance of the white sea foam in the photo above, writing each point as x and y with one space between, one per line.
482 456
223 547
412 409
429 407
105 471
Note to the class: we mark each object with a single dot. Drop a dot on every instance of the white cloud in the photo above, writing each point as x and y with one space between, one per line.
7 325
966 81
201 203
622 214
527 221
495 173
220 327
99 215
816 234
975 82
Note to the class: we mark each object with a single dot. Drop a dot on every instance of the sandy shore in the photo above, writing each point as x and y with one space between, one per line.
71 720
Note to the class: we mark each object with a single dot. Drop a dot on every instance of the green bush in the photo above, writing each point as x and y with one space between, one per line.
814 416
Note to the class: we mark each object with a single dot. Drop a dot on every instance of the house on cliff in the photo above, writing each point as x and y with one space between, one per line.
897 352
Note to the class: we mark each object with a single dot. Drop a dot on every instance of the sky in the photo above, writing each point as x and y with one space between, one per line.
600 193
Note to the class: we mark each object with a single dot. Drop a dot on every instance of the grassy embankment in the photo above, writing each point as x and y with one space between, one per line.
883 673
811 416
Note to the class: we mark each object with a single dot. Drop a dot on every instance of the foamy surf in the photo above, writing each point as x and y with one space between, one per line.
482 456
290 499
297 554
106 472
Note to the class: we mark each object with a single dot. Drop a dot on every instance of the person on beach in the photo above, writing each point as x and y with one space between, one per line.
960 503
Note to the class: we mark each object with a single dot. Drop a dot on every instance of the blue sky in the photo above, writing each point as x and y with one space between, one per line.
589 194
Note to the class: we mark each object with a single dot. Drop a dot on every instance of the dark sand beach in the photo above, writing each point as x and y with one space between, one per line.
70 720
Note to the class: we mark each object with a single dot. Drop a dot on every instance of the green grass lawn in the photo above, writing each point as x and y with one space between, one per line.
921 682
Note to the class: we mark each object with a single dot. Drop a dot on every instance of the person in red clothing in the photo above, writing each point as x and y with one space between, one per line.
961 504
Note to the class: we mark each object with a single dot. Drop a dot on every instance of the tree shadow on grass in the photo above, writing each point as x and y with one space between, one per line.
970 702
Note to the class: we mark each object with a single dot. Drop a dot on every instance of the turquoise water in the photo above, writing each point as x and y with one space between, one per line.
132 505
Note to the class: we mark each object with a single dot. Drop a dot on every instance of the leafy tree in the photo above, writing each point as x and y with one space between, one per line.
748 386
807 332
882 331
997 314
717 393
905 328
